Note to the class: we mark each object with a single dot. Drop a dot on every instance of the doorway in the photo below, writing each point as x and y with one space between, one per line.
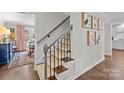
21 40
118 36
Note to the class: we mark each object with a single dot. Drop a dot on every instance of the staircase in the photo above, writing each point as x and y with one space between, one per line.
56 58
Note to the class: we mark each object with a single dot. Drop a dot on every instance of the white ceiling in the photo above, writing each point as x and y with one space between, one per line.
18 18
115 17
29 19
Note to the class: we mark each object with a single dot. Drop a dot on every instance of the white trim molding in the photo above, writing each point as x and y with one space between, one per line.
76 75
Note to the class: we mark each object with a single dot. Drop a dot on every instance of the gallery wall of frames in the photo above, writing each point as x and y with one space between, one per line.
93 26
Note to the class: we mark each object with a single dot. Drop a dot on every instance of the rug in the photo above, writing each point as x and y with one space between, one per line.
20 58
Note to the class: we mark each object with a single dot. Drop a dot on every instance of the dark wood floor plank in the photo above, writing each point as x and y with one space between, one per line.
25 72
112 68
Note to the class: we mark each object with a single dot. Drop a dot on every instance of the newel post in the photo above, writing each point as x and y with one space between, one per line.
45 49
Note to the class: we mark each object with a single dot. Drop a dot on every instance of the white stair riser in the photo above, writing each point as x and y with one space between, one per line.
71 68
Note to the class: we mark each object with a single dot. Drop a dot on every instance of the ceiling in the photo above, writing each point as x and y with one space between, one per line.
29 19
18 18
115 17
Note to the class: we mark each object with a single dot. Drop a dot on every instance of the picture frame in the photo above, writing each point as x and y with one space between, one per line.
95 23
98 38
86 20
91 38
100 24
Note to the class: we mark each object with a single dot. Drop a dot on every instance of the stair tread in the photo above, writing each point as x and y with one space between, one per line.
60 69
67 59
52 78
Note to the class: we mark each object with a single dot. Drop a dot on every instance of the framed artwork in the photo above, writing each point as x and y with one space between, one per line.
91 38
100 24
95 21
86 20
97 38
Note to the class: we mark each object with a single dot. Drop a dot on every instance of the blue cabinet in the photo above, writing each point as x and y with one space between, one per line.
5 53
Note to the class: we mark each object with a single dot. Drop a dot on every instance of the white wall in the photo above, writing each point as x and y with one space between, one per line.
45 22
85 57
107 32
108 39
114 30
118 34
1 22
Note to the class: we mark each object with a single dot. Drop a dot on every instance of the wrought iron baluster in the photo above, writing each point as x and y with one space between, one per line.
64 46
50 64
45 48
58 53
54 58
61 52
69 44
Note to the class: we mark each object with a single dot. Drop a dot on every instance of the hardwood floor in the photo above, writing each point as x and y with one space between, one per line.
19 59
112 68
25 72
20 69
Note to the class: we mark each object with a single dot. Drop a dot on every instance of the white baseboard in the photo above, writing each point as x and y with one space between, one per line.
109 54
86 69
